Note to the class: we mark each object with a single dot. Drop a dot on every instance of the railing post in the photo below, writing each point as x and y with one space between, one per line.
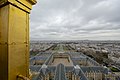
14 38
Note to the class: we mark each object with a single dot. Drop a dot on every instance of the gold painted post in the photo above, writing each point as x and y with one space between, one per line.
14 38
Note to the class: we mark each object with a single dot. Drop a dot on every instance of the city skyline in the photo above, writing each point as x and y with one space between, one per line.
75 20
75 60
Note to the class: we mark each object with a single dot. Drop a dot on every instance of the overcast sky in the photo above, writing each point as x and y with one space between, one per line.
75 20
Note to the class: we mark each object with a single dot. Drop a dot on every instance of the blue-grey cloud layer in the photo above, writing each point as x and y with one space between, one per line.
76 19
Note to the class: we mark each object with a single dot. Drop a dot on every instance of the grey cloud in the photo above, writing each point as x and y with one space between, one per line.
75 19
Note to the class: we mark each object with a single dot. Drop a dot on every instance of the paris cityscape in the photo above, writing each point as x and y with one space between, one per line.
75 60
75 40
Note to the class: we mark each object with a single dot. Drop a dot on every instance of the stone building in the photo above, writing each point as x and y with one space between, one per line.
68 66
